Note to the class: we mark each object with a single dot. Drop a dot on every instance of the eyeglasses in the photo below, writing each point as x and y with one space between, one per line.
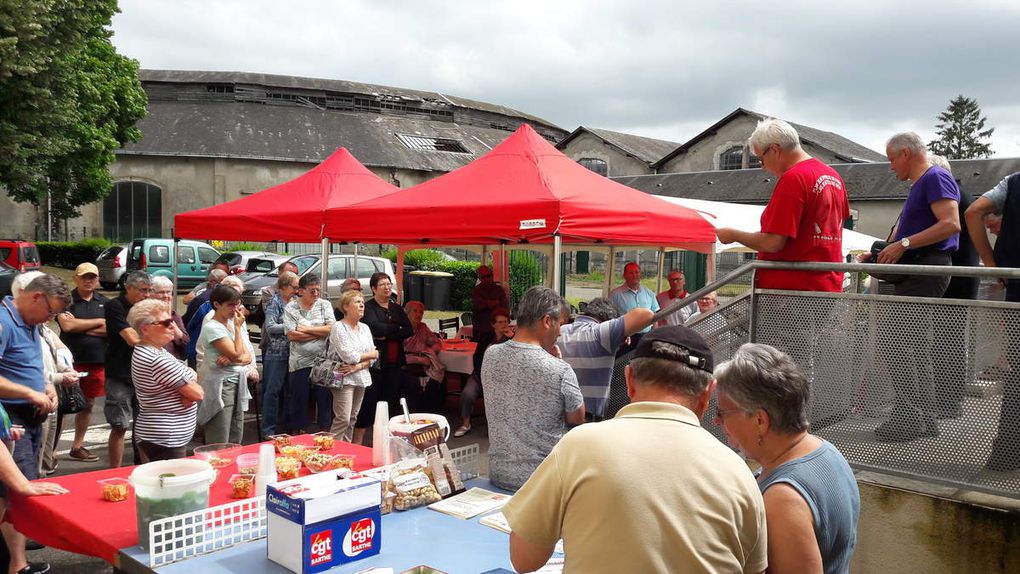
49 308
145 290
761 158
162 292
721 414
164 323
382 285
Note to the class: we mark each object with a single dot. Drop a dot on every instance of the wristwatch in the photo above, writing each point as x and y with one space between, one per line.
905 242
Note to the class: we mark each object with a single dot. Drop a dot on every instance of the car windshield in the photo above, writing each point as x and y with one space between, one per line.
30 254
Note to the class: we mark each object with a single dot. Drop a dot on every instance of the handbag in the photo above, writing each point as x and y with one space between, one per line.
70 399
324 374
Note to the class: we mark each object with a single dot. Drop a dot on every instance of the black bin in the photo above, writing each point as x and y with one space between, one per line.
414 286
437 286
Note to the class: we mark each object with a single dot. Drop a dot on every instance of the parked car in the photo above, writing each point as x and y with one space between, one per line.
21 255
193 259
262 265
237 261
112 264
340 268
7 275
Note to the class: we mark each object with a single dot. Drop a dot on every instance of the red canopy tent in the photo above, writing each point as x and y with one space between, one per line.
294 211
523 191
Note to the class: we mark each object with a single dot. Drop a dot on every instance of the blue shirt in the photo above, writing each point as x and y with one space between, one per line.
936 184
273 333
589 347
824 479
21 359
625 299
195 328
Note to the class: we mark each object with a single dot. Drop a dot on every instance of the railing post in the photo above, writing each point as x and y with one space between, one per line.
752 318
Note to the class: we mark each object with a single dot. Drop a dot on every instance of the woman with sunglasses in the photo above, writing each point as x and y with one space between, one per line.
167 390
812 504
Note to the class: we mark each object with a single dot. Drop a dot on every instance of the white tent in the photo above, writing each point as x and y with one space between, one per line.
748 218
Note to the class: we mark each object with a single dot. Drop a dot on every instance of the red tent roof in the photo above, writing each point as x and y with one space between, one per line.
523 191
293 211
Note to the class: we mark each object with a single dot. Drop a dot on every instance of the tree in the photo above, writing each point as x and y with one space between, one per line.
67 101
961 130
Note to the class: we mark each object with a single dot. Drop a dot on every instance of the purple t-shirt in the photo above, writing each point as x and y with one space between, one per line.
934 185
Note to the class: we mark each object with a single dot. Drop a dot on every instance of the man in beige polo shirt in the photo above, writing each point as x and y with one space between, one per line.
650 490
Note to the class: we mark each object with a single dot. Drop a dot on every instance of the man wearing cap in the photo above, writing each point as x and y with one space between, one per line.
679 500
486 297
83 330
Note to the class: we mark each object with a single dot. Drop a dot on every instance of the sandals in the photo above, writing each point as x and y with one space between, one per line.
462 430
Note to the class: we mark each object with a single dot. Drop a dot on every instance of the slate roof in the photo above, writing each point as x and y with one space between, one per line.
185 120
846 149
864 181
648 150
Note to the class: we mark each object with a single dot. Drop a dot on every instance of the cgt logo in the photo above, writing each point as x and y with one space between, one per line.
360 537
322 547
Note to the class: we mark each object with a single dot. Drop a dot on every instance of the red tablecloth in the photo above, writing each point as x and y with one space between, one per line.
84 523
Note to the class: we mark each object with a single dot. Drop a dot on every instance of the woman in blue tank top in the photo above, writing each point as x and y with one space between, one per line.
811 499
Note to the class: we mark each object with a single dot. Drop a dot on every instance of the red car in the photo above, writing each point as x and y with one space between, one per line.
21 255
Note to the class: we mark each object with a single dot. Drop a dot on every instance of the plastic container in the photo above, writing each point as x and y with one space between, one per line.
400 428
282 440
114 489
266 469
324 440
248 463
168 488
219 455
380 434
242 485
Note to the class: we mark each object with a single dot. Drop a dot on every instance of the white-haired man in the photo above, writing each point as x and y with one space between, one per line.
803 220
927 233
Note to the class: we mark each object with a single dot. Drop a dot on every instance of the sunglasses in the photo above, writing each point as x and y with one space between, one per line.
164 323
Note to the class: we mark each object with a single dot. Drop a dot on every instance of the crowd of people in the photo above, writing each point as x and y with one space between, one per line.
680 499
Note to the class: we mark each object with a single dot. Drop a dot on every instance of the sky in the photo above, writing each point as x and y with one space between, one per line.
665 69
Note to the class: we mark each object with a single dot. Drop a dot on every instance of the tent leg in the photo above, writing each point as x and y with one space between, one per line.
324 270
610 271
662 263
504 270
355 272
401 296
557 267
177 243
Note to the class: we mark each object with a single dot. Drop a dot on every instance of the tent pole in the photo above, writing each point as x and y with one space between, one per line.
610 271
557 267
177 244
710 266
324 270
662 263
401 296
355 272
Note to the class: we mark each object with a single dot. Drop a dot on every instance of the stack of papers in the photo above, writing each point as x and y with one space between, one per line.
471 503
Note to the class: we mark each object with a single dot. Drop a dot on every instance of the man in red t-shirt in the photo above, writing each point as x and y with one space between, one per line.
804 218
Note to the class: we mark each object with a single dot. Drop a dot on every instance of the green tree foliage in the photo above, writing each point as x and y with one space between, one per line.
67 101
961 129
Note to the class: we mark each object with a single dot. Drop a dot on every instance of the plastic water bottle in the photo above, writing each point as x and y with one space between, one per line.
266 470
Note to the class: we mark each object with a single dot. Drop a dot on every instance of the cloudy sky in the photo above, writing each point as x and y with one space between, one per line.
665 69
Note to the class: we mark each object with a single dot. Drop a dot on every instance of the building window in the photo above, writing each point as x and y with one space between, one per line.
732 158
599 166
422 143
133 209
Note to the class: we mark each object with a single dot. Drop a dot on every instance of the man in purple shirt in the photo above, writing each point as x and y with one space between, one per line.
927 233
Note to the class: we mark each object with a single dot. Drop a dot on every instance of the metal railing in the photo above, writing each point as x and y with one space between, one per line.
921 387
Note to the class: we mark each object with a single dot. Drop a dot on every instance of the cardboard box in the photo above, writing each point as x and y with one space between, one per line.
332 521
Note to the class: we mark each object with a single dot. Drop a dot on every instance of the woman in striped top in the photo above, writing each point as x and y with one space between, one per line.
811 499
167 390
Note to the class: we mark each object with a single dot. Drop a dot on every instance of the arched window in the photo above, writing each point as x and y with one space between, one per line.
133 209
732 158
599 166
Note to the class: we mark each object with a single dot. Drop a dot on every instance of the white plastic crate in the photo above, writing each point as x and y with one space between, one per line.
467 460
188 535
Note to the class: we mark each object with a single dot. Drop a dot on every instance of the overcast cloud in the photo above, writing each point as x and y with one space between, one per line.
665 69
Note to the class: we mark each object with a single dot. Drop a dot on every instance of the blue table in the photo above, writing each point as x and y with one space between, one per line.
410 538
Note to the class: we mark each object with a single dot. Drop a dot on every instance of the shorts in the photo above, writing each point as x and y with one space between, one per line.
92 385
120 403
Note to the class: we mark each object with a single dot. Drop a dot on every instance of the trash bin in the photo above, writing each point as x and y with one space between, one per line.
437 287
414 286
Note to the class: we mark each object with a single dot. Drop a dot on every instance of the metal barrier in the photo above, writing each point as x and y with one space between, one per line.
911 386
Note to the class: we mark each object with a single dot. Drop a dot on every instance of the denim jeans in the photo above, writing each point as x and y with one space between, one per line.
274 377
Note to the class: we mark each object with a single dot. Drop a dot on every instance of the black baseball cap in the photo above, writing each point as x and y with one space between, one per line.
693 350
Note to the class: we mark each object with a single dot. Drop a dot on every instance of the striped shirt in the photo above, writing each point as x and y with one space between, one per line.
305 355
589 347
158 378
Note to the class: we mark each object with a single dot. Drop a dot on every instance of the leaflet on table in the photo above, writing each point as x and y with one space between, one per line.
471 503
498 521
